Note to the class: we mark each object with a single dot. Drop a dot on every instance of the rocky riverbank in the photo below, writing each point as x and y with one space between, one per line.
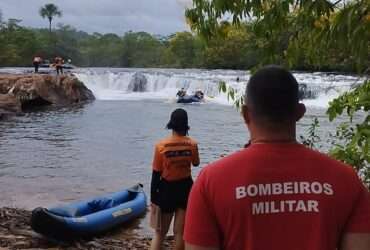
20 92
16 233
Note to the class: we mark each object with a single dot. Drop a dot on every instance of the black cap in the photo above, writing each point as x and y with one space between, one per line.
179 120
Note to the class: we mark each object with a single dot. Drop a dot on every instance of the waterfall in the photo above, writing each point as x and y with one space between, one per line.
113 84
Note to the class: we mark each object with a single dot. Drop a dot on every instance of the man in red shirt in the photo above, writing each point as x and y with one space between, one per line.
277 194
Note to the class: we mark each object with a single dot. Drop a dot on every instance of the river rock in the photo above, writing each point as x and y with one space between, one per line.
138 83
20 92
305 92
9 104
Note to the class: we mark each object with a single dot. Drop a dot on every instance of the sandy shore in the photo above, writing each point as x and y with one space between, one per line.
16 233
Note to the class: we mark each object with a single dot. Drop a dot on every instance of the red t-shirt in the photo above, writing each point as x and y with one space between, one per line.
276 196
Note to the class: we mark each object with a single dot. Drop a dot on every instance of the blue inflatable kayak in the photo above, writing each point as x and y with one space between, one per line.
90 217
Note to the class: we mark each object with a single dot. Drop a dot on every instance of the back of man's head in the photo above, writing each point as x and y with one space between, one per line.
272 95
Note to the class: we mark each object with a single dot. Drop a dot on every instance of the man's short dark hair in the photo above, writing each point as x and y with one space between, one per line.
272 94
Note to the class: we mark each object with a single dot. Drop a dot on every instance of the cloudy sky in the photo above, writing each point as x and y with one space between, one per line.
105 16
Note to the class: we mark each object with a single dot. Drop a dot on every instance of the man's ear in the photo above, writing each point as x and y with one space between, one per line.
245 114
301 110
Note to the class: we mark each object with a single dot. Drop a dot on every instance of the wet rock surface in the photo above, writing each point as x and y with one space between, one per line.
20 92
16 233
9 104
138 83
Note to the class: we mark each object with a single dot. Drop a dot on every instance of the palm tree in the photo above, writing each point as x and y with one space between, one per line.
50 10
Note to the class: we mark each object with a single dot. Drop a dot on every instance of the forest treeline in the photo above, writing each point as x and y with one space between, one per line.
234 47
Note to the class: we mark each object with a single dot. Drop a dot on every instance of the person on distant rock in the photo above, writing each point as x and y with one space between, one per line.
58 62
171 180
37 60
181 92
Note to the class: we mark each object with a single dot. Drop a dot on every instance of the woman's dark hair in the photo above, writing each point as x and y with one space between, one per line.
179 122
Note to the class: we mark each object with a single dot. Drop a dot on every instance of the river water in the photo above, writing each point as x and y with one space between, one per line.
55 156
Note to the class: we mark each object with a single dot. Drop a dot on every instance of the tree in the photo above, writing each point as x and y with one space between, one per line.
102 50
49 11
232 48
182 49
141 49
285 28
17 44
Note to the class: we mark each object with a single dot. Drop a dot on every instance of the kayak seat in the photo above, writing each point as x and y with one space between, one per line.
100 204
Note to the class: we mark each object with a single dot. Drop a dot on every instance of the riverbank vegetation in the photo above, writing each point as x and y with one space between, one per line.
234 43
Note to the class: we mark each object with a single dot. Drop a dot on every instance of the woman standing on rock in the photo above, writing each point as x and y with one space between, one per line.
171 180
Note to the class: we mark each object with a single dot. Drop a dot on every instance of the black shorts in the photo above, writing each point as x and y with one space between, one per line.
174 194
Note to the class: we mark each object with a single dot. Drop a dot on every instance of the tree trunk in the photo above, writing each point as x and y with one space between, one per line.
50 27
50 37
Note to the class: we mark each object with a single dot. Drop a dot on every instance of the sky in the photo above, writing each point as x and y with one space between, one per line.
161 17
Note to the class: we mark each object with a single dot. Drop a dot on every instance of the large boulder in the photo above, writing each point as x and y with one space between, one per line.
20 92
138 83
305 92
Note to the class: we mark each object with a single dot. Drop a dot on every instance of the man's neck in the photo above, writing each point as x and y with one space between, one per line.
269 140
286 135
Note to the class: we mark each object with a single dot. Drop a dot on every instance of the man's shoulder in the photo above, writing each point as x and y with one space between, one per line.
322 165
254 156
325 161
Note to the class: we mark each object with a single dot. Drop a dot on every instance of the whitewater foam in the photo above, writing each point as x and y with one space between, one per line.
112 83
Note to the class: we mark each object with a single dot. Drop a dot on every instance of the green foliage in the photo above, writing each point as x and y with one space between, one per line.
312 139
183 50
353 137
140 50
301 34
232 95
99 50
233 48
133 49
240 35
351 102
17 44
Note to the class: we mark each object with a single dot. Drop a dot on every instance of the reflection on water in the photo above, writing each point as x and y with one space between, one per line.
56 156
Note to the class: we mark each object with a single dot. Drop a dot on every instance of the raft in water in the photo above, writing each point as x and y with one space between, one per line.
189 99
